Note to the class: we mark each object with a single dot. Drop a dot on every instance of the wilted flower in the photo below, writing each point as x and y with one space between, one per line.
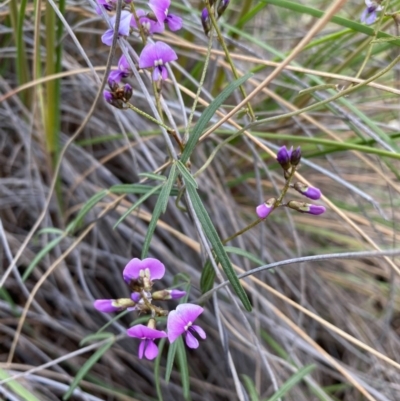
123 29
303 207
157 55
370 13
160 9
266 208
180 321
310 192
147 334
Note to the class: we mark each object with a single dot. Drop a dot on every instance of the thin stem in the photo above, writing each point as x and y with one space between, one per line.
149 117
242 231
228 56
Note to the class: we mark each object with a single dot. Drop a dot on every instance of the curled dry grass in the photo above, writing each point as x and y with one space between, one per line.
342 315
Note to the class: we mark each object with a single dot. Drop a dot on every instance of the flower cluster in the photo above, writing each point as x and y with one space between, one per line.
139 275
370 13
143 23
289 159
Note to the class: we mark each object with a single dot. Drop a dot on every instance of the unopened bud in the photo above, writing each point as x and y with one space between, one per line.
151 323
222 6
310 192
266 208
127 92
113 305
205 21
295 157
109 98
303 207
168 294
283 157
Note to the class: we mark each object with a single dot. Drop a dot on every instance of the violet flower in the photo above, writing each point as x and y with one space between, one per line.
123 29
113 305
157 55
311 192
147 347
160 10
370 13
149 268
283 157
123 71
109 5
180 321
303 207
148 25
266 208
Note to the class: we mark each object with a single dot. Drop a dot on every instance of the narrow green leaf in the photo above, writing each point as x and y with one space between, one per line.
43 252
170 360
157 373
241 252
189 179
134 189
208 113
159 208
219 250
22 393
136 204
183 367
287 386
95 337
153 176
89 205
207 277
86 368
50 230
251 388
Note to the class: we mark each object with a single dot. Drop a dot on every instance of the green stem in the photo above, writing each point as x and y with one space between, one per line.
228 56
149 117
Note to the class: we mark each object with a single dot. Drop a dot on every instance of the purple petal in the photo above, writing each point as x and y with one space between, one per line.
189 312
177 294
139 13
148 56
175 326
108 97
174 22
135 266
106 305
123 64
191 340
151 350
116 76
124 23
107 37
164 52
316 210
141 348
264 210
201 333
141 331
135 297
160 9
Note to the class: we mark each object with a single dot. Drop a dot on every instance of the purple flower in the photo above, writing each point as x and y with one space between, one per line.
160 10
180 321
295 156
156 55
283 157
149 268
266 208
370 13
310 192
123 29
303 207
148 25
108 5
147 336
113 305
123 71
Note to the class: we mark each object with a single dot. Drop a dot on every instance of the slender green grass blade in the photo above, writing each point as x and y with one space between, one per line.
159 208
86 368
157 373
219 250
43 252
189 179
95 337
153 176
241 252
289 384
208 113
170 360
135 189
207 277
22 393
183 367
251 388
136 204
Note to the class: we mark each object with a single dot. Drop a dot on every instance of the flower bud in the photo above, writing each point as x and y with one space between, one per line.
168 294
266 208
310 192
295 157
113 305
205 21
303 207
283 157
222 6
109 98
127 92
